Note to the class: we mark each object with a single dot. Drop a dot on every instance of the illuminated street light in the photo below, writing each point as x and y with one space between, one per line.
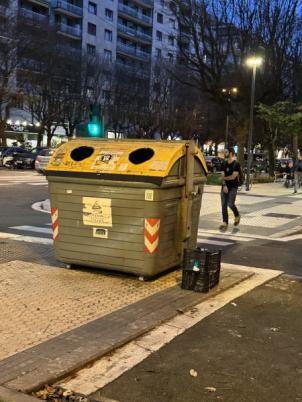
252 62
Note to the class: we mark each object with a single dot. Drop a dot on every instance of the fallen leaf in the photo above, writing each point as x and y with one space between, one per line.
193 373
273 329
210 389
234 304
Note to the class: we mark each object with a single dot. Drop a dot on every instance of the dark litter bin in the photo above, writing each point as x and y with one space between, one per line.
201 269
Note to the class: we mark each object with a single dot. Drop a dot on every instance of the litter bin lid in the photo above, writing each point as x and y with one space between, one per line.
122 157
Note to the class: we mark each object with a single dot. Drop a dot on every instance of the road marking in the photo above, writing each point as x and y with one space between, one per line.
32 239
28 239
112 366
224 237
38 184
251 236
36 229
214 242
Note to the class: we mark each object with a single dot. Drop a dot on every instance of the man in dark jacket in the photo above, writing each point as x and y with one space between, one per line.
230 183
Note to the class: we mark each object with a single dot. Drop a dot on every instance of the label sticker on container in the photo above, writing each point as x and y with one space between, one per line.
107 160
97 211
123 167
100 232
159 165
149 195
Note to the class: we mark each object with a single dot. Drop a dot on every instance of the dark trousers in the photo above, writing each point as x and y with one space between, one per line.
228 200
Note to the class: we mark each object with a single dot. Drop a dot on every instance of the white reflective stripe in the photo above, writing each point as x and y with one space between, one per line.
32 239
55 232
36 229
54 216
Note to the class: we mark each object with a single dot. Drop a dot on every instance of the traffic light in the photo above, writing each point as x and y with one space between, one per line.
94 125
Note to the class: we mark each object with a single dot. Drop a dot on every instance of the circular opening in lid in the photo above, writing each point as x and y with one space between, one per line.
141 155
81 153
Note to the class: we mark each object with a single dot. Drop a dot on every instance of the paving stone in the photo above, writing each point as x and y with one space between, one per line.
58 357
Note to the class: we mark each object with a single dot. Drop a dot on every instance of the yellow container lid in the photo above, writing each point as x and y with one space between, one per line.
123 157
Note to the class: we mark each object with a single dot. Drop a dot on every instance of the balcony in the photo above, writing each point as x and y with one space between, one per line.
134 34
133 71
145 3
70 31
132 51
69 9
32 16
43 3
136 15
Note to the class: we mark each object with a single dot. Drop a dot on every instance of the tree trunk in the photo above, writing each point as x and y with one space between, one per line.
2 133
242 132
49 136
40 136
271 157
295 145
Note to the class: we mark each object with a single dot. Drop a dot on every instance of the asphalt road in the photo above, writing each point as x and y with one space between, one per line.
248 351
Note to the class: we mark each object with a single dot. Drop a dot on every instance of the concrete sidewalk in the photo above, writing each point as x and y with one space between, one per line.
53 322
267 211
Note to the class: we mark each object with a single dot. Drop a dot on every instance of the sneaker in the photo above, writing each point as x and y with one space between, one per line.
223 227
237 221
295 192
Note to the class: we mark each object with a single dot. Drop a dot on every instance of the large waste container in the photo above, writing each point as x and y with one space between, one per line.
125 205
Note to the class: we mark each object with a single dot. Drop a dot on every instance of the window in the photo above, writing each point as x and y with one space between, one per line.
159 36
90 92
109 14
171 40
170 57
108 55
158 53
92 8
91 49
91 29
160 18
108 35
171 23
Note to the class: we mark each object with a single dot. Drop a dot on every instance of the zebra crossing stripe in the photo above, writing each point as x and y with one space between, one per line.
55 223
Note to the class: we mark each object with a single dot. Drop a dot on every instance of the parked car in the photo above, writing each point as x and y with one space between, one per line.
2 150
26 159
42 160
214 163
9 154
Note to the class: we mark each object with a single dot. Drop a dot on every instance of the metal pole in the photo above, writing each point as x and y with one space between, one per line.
227 130
250 138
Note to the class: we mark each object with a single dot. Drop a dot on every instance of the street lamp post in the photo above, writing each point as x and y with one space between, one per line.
229 92
252 62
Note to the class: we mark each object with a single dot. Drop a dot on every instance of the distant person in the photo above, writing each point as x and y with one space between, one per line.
290 173
298 172
230 183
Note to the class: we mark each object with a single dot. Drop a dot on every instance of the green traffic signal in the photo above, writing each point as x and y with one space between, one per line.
94 129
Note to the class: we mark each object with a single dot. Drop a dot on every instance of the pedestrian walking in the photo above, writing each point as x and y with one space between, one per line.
230 183
298 172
